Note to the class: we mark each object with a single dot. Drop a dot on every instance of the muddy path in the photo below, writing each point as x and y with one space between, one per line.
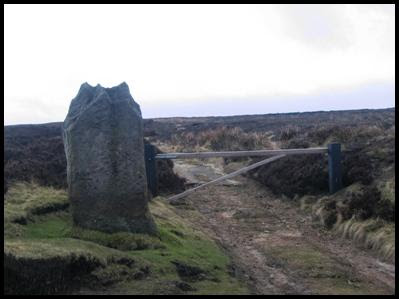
276 247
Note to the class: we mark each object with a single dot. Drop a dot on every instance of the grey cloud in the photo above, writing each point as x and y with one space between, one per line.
324 26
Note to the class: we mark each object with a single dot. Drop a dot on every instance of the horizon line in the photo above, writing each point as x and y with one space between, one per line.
234 115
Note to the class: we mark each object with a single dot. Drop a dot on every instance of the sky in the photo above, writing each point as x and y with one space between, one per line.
199 60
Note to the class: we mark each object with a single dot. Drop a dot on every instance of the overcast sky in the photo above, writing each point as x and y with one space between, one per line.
199 60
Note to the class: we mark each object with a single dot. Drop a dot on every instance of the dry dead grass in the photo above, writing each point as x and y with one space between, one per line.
374 234
222 138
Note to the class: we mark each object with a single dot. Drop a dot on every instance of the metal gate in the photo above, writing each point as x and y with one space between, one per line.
334 164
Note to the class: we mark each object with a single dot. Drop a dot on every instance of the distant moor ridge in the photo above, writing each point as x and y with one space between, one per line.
37 152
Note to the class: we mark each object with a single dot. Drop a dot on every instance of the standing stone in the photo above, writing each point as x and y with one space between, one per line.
103 140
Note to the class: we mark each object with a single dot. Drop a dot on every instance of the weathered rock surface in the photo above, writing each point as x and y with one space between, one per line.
103 140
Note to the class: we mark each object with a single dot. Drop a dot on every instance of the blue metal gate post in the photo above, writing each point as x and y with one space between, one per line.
151 168
334 167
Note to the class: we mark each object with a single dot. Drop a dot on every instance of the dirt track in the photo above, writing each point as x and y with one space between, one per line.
276 247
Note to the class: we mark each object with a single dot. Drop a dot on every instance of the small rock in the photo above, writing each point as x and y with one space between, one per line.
184 286
139 275
186 271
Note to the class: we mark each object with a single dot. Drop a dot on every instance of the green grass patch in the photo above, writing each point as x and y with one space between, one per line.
55 225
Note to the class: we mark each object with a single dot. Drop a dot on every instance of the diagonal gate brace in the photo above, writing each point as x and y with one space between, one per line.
225 177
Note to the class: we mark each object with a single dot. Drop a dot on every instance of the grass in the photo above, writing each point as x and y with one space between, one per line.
222 138
375 234
24 200
48 248
122 241
57 225
339 213
57 248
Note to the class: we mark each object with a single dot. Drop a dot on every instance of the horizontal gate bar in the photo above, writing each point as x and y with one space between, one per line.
314 150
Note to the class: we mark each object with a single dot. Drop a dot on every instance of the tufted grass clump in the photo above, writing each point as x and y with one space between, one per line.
356 213
375 234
